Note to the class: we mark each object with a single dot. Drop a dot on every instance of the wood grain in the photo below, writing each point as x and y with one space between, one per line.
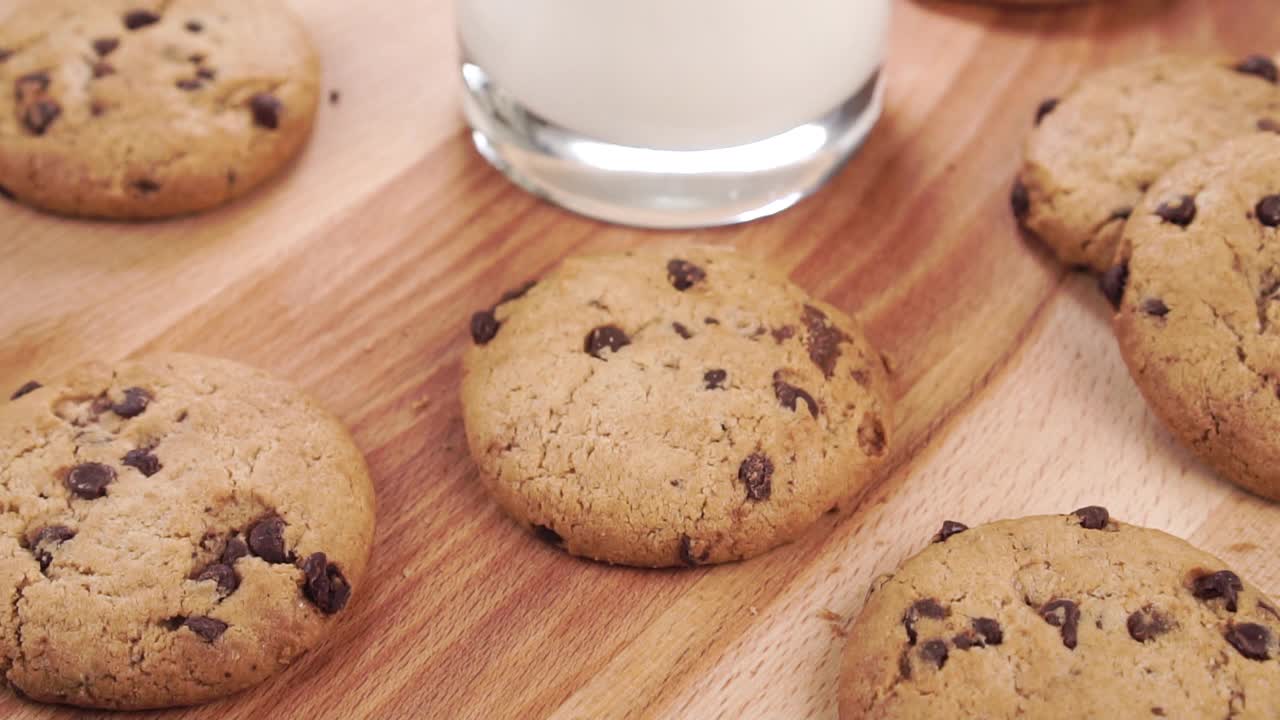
355 274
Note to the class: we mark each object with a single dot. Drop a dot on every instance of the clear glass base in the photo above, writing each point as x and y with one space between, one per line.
667 189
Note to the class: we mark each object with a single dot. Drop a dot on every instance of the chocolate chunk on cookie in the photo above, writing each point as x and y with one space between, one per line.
672 407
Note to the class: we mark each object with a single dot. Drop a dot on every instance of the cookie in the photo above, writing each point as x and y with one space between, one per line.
1198 287
1074 616
136 109
1097 149
175 529
665 408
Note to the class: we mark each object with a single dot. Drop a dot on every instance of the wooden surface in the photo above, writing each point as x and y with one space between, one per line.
355 276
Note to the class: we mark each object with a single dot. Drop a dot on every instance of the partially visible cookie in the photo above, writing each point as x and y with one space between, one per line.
135 109
1074 616
665 408
174 529
1198 286
1097 149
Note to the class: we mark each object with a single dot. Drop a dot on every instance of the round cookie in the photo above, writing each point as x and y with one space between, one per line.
137 109
664 408
1199 318
175 529
1074 616
1096 150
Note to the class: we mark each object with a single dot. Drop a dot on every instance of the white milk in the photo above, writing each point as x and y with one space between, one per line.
676 74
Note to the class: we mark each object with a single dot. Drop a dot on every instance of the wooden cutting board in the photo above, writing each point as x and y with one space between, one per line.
356 274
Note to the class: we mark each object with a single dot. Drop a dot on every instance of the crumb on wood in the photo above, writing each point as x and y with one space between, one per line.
406 573
1242 547
335 97
752 609
369 345
421 403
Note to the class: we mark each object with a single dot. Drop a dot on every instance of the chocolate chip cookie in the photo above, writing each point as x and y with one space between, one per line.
134 109
1198 288
671 407
174 530
1066 616
1097 149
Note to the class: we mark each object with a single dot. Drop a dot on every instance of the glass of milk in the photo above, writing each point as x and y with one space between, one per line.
672 113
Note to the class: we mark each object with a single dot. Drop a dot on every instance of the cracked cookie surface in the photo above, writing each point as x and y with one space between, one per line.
174 529
1097 149
1199 312
671 407
1065 616
137 109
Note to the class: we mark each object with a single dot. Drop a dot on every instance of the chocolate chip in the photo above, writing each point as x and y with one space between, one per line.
1155 307
1251 639
105 46
1093 517
990 630
1046 107
823 339
949 528
756 473
234 550
714 379
788 394
146 186
484 327
194 26
1019 200
143 461
684 274
681 330
781 334
28 387
605 336
1269 125
926 608
31 84
687 555
266 110
196 58
266 540
6 193
1063 614
224 575
189 84
1222 584
325 584
39 115
97 108
871 435
547 535
102 69
90 480
207 628
965 641
517 293
1180 212
138 19
1268 211
205 73
46 539
1260 65
934 651
135 400
1113 282
710 321
1147 623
